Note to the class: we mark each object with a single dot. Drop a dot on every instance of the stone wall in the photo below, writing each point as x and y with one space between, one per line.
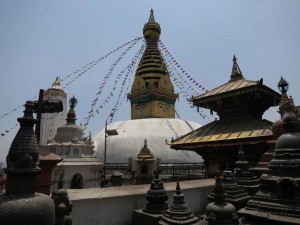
114 205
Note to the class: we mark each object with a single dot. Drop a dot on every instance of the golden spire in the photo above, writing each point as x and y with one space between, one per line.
151 29
151 18
56 82
152 93
236 73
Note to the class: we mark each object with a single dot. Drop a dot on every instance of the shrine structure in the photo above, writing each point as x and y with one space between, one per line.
240 104
278 201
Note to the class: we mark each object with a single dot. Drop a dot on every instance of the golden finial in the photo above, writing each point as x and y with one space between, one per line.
151 29
151 18
236 73
57 81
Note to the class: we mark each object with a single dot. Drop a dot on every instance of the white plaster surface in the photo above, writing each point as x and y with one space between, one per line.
131 136
114 205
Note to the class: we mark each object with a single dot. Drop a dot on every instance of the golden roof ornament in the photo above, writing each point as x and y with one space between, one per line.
56 84
151 29
236 73
283 87
145 153
152 93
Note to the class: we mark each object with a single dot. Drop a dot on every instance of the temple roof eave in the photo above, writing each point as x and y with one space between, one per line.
232 131
232 142
229 90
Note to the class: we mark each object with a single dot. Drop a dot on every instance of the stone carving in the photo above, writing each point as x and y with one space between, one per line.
220 212
278 198
179 212
243 176
156 197
63 206
235 194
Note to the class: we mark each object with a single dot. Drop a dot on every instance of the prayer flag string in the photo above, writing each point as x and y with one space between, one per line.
79 72
90 65
8 130
184 85
128 75
102 85
176 65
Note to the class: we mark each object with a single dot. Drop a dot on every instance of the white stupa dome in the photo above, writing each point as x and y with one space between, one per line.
131 136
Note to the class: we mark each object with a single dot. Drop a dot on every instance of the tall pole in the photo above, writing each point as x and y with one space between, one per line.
105 136
39 116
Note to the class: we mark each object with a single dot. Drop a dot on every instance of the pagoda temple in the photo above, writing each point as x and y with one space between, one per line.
240 104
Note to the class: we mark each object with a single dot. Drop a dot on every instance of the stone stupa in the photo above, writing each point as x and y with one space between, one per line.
278 198
179 212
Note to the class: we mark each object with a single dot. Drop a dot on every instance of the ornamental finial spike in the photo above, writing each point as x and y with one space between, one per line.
219 189
151 30
236 73
73 102
234 59
56 82
178 190
71 116
151 18
283 86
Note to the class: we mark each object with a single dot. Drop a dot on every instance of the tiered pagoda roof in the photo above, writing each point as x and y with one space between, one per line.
240 104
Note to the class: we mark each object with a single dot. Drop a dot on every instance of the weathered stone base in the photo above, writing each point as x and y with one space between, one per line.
255 217
114 205
140 217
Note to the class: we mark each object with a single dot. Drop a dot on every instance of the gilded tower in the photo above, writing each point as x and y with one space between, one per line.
152 93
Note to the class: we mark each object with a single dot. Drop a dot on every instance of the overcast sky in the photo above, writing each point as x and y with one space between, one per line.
43 39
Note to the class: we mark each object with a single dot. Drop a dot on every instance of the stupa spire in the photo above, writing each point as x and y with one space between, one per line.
236 73
219 190
57 81
20 204
71 116
151 17
56 84
285 100
151 30
152 93
23 155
